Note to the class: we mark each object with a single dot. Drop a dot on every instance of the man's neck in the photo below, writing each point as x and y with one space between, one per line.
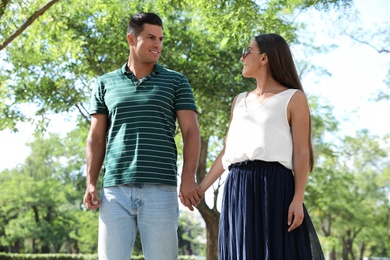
140 70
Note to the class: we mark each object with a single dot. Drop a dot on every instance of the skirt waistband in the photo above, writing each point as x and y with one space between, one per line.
246 163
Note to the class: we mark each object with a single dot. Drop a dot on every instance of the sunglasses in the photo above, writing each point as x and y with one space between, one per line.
245 52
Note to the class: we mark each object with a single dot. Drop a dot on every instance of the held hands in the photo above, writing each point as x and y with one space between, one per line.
190 194
91 200
295 215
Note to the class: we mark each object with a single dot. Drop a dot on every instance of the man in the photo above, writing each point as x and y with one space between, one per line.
133 122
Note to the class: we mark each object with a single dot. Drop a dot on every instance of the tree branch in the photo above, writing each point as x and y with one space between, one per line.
27 23
3 5
382 50
80 109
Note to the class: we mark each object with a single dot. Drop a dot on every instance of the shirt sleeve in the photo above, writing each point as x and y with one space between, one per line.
184 96
97 103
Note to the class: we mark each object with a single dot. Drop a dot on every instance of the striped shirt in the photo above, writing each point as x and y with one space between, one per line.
141 124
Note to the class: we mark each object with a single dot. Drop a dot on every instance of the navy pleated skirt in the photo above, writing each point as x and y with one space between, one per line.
253 222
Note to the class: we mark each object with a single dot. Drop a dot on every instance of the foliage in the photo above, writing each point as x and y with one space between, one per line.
41 209
42 198
74 42
51 65
4 256
191 234
347 193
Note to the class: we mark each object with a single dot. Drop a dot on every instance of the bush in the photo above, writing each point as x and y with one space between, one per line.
6 256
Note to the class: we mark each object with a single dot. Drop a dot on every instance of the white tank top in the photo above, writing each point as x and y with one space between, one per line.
262 133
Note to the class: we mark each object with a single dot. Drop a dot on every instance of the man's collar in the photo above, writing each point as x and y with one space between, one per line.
156 70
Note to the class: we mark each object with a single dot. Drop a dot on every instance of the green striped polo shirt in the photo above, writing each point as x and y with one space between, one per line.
141 124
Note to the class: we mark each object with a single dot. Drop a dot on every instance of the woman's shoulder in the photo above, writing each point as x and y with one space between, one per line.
237 99
298 99
297 93
239 96
242 94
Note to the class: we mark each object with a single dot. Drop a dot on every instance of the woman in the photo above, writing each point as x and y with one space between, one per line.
268 152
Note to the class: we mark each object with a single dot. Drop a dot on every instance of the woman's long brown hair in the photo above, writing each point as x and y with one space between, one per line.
283 70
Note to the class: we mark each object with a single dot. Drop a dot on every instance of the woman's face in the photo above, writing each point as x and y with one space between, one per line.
251 59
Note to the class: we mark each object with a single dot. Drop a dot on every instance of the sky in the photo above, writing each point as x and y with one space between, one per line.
356 73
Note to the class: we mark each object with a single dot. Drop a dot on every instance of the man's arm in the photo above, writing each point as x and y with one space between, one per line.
189 189
95 153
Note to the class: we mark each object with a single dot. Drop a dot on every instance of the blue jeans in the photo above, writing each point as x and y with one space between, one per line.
150 208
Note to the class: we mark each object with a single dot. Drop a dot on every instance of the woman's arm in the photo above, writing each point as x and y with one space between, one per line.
299 118
216 169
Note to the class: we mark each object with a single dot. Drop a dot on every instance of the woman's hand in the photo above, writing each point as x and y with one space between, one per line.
295 215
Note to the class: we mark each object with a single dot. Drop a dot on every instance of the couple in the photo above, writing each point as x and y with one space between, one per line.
267 151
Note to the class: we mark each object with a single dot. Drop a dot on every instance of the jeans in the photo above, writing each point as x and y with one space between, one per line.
150 208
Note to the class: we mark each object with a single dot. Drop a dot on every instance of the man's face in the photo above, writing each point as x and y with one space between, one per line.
148 44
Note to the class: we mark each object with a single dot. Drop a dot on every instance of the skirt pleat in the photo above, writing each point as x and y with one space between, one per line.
253 222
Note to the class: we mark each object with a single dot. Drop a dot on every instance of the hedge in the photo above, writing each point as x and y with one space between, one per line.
7 256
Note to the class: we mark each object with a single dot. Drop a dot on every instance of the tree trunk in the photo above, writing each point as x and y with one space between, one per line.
332 255
45 249
347 242
210 215
362 249
15 248
211 219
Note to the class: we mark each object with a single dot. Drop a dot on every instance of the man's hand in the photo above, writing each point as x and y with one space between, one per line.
91 200
190 194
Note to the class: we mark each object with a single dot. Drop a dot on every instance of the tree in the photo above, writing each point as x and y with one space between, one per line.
40 201
347 195
75 42
365 160
26 24
379 41
376 38
191 235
